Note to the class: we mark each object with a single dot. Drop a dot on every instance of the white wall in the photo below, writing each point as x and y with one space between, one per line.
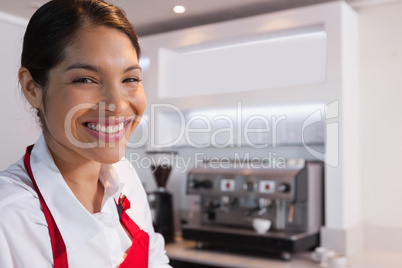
381 124
19 128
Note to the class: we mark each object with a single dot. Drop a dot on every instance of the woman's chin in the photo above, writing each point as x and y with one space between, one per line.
109 155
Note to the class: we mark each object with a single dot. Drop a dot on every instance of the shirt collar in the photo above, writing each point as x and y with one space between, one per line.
110 178
77 226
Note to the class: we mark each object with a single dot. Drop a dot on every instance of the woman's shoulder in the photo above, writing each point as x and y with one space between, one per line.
16 186
18 200
22 219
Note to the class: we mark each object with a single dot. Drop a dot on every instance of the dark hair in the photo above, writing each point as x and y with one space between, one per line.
54 26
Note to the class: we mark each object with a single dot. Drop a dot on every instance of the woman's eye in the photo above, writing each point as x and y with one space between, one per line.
132 80
83 80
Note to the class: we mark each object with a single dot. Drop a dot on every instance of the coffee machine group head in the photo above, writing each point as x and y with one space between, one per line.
161 201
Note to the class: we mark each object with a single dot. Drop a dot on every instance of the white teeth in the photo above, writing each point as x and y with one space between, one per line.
106 129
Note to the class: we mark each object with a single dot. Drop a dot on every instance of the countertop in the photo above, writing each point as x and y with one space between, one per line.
185 250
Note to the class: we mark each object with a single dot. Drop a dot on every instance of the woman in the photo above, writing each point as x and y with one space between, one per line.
66 203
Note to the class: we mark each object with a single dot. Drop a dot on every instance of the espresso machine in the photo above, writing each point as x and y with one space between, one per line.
291 197
161 201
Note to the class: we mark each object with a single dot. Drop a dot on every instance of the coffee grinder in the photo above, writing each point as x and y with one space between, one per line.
161 201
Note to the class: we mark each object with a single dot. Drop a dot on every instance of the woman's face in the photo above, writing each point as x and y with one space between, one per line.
94 98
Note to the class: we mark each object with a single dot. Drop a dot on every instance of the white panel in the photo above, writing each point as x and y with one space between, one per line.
253 65
19 128
381 127
257 127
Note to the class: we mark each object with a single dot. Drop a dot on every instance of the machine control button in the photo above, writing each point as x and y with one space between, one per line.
227 185
267 187
283 188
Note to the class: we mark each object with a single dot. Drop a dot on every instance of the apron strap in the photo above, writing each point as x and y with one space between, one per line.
137 256
58 246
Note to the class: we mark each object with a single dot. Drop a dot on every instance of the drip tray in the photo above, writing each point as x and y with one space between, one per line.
272 241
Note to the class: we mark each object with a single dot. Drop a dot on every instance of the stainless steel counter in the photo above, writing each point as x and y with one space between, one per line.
186 251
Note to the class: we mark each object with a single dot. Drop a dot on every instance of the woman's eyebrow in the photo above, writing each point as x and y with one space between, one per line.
93 68
134 67
85 66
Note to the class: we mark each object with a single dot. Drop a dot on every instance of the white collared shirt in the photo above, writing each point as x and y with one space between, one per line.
92 240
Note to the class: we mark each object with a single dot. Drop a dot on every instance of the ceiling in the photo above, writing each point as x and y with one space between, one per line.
156 16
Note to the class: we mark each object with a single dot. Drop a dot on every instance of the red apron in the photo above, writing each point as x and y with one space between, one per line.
136 257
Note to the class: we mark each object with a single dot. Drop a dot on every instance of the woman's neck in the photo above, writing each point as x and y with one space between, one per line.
80 174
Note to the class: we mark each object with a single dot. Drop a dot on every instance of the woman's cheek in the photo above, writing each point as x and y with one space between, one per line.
140 101
71 109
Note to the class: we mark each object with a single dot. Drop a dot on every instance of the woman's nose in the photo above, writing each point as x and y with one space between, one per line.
115 100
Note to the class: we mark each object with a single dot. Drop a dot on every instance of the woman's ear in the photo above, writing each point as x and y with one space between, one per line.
31 90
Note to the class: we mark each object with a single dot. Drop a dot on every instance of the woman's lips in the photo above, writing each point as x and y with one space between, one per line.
107 130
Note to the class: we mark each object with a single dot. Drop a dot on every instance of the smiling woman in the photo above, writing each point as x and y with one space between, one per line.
80 71
98 85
